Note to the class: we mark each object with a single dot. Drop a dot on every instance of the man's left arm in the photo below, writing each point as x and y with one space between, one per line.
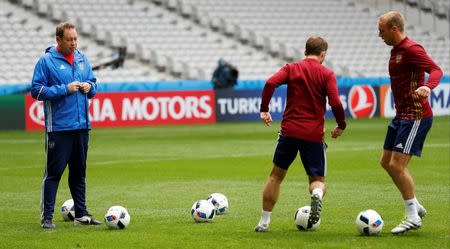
419 58
90 87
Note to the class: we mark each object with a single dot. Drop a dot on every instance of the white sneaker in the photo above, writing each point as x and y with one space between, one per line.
407 225
262 228
422 212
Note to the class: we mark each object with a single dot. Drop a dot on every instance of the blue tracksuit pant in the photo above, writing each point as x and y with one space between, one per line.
65 148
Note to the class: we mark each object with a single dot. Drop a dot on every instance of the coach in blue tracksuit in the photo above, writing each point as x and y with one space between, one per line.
64 80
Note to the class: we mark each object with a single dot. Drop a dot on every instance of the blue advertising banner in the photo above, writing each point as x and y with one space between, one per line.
360 101
235 105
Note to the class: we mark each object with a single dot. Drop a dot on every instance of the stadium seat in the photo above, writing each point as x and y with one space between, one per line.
185 38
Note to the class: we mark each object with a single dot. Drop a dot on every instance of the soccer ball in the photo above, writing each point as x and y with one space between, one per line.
301 217
68 211
117 217
369 222
203 211
220 201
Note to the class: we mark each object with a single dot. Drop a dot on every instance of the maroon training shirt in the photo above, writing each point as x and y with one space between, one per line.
407 67
308 85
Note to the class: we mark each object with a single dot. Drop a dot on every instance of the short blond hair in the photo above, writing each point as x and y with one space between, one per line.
394 18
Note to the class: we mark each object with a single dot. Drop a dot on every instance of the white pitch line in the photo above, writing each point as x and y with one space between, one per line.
19 141
232 155
238 155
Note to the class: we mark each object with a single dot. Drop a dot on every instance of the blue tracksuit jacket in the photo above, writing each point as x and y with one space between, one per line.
51 75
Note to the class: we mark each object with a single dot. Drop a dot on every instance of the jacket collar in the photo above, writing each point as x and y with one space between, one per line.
52 50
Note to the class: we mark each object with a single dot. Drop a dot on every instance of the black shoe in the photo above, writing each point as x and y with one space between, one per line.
47 223
261 228
316 208
86 220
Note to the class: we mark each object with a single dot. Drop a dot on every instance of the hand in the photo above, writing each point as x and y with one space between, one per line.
266 118
73 87
336 132
423 91
85 87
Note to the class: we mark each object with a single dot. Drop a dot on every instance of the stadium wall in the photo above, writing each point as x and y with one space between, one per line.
194 102
12 112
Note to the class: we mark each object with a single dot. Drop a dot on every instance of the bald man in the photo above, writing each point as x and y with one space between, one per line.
406 133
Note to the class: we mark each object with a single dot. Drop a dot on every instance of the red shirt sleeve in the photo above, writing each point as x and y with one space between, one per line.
419 58
335 102
273 82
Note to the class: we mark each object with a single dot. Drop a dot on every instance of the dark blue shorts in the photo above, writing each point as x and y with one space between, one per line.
407 136
312 155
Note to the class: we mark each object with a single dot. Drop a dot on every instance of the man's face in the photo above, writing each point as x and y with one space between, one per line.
385 33
67 43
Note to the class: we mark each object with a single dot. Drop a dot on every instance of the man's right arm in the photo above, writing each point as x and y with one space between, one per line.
40 88
273 82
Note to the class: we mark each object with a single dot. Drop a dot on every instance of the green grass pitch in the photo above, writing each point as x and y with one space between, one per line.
157 173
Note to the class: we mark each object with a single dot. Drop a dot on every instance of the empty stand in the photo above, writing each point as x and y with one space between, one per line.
184 39
25 36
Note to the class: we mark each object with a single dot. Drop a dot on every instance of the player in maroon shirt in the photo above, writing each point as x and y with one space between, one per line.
302 128
407 131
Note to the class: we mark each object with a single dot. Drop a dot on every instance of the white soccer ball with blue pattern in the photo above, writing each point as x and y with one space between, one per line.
117 217
203 211
68 211
220 202
369 222
301 218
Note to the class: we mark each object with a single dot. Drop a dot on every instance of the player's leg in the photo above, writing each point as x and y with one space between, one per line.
77 178
272 189
317 183
396 142
270 197
284 155
313 157
400 144
405 183
397 169
385 162
317 189
57 146
77 175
